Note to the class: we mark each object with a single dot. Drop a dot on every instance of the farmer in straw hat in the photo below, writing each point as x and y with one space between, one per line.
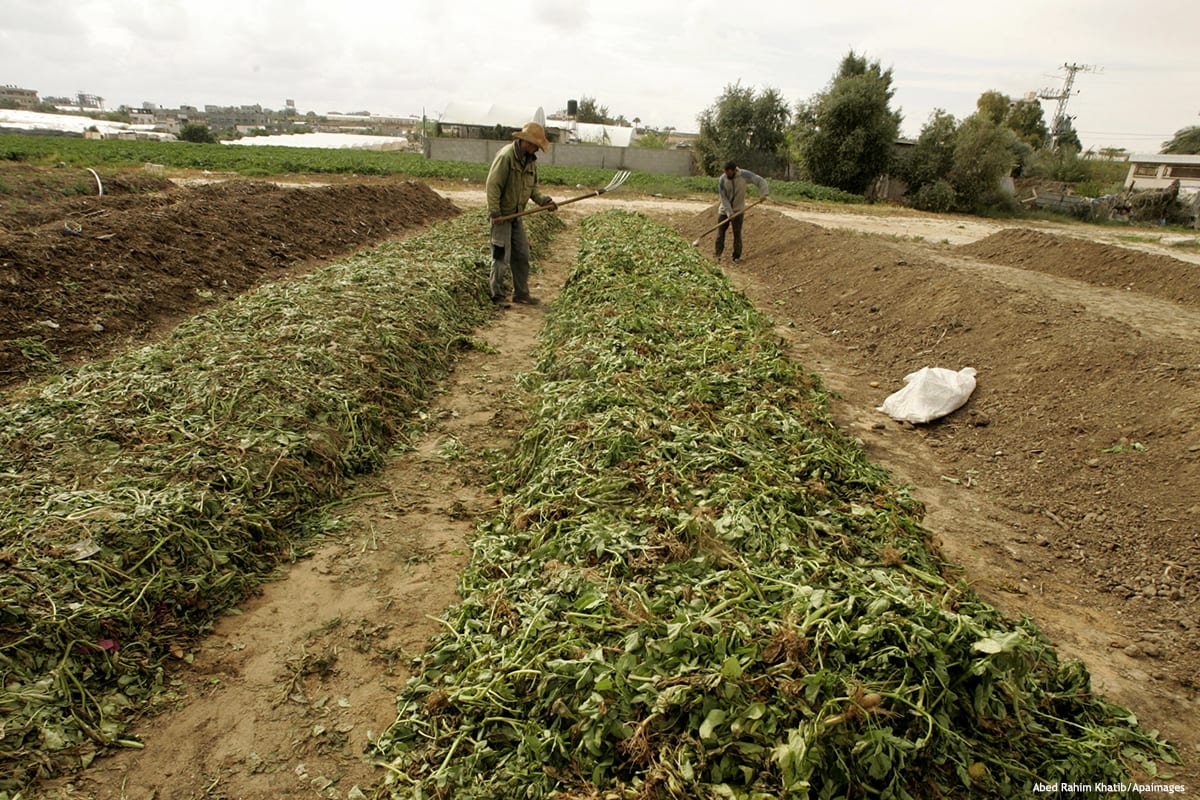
511 183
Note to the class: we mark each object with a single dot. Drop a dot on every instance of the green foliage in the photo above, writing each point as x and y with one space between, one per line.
1023 117
993 105
932 157
1107 172
938 196
846 134
182 528
746 126
589 111
194 132
1065 135
697 586
652 140
1026 120
1060 164
959 166
1185 142
983 154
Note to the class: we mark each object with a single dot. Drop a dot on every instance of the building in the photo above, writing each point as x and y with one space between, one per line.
239 118
1158 171
1167 185
16 97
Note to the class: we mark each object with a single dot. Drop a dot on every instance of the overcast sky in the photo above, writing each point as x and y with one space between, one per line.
662 62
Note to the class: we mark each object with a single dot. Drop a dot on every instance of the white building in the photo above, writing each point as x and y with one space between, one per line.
1157 171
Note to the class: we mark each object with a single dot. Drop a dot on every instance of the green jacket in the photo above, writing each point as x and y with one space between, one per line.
511 184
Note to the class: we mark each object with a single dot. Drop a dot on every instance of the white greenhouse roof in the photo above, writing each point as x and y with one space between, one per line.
332 141
70 123
594 133
458 113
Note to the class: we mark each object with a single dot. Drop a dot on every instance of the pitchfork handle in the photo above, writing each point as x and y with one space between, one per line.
546 207
730 217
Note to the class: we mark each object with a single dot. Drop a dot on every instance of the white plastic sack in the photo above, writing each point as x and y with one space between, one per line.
929 393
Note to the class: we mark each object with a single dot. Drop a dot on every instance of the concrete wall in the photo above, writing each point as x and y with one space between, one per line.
640 159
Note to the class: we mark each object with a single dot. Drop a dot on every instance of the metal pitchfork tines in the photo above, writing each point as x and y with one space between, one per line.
617 180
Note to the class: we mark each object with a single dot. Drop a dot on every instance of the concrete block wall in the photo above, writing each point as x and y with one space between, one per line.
589 156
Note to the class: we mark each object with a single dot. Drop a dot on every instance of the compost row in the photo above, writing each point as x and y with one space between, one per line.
698 587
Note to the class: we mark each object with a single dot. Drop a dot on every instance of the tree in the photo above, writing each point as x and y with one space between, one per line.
654 140
1026 120
1023 117
195 132
993 105
846 134
589 111
932 157
744 126
1186 142
1065 135
983 154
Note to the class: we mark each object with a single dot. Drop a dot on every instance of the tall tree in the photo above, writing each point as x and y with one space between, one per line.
983 154
993 105
1026 120
932 157
590 111
847 133
744 126
1186 142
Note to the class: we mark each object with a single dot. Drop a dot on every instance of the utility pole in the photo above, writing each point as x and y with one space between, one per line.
1061 121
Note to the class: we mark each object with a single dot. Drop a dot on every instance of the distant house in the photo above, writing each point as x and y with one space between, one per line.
1159 171
16 97
141 116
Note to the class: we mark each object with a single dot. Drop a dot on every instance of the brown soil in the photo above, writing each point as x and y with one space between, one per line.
1068 488
79 275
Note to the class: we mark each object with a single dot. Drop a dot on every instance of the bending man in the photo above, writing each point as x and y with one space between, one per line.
511 183
731 188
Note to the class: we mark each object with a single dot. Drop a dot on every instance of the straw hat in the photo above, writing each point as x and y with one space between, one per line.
534 134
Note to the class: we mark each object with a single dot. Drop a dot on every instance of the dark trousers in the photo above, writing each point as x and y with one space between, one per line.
736 222
510 254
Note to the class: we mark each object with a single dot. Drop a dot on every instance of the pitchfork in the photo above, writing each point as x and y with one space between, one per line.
617 180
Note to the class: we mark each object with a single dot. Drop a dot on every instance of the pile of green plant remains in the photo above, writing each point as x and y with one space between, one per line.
698 587
141 497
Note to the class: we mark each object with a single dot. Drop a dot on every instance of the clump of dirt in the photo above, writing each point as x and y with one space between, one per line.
84 274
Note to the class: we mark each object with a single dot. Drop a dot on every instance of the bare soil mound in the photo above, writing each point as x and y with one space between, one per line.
79 275
1101 264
